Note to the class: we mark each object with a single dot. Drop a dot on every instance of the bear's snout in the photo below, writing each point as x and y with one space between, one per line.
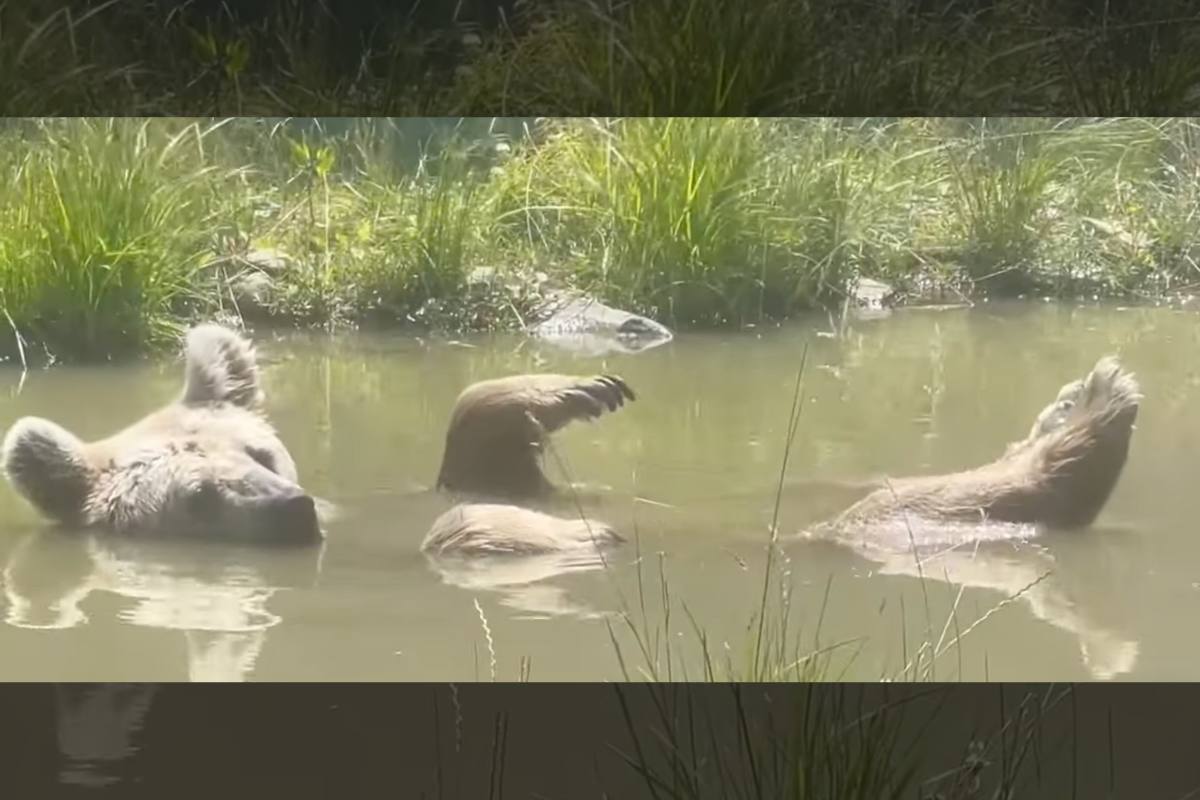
294 518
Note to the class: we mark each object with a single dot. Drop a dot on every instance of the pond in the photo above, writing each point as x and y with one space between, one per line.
691 467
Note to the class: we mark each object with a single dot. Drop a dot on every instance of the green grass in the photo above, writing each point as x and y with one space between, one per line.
104 230
698 742
665 215
606 57
845 742
120 230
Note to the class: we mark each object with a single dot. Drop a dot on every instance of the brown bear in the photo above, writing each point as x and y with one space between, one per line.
208 464
1060 476
498 431
500 528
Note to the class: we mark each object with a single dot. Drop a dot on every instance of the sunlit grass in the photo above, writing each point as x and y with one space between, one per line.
120 229
663 214
104 232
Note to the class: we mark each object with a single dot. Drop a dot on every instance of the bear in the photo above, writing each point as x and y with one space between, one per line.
1060 476
512 552
207 465
501 528
497 434
499 428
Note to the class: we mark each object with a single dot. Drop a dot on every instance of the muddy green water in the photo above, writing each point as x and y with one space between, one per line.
692 466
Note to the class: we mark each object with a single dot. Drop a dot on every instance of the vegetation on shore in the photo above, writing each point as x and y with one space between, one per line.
116 231
616 57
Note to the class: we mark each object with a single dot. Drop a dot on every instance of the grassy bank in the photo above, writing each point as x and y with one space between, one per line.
616 57
119 230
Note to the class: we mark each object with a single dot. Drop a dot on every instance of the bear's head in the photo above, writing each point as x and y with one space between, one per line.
212 486
207 465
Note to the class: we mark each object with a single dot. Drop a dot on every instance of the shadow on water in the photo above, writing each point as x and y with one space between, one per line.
690 469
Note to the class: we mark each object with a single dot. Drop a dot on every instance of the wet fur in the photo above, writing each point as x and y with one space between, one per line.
1060 476
494 446
501 528
498 430
221 369
125 481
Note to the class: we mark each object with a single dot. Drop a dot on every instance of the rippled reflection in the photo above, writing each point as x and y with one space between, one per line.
1016 562
217 597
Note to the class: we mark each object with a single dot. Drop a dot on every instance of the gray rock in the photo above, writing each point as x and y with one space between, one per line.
870 299
270 261
252 290
587 326
253 285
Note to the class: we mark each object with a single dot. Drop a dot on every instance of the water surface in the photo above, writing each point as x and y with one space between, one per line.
691 467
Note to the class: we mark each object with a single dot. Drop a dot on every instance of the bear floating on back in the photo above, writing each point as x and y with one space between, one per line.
1060 476
208 464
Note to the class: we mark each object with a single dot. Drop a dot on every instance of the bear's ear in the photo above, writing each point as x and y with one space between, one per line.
47 465
221 368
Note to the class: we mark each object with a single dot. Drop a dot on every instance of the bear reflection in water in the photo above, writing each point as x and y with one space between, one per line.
216 596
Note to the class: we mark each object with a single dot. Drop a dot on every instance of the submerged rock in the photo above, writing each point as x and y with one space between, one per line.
871 299
586 325
270 261
254 283
252 290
